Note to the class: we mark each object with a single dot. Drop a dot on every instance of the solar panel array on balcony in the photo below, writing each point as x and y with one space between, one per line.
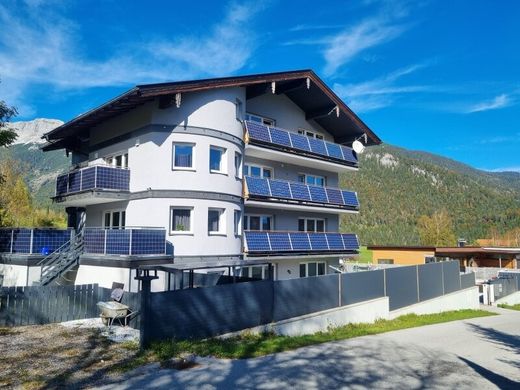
258 187
298 242
297 142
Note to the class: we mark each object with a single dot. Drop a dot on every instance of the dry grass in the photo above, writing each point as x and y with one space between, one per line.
50 356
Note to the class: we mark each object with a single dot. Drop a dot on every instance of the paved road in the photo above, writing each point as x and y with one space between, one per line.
478 354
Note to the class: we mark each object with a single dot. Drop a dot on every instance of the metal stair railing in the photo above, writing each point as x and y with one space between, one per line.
61 260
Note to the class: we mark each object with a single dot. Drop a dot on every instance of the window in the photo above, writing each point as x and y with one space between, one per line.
312 268
182 155
260 119
238 223
238 165
255 272
311 134
217 159
385 261
258 171
114 219
239 109
258 222
181 220
430 259
216 221
117 160
312 180
311 225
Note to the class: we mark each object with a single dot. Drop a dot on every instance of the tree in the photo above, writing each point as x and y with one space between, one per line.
7 135
436 230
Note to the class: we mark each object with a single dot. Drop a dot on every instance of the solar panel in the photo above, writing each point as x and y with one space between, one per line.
334 196
300 241
280 137
258 131
300 191
334 151
350 198
280 241
300 142
348 154
257 241
280 189
317 146
350 241
257 186
335 241
318 242
318 194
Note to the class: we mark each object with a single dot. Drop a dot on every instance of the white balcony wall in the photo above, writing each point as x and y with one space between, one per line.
286 220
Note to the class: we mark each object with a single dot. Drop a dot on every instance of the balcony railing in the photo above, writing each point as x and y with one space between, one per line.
273 190
96 177
127 241
292 142
291 243
33 241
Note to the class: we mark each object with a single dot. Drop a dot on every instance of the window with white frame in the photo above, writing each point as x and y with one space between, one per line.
312 180
238 223
183 155
238 165
311 134
258 222
181 220
255 272
217 160
260 119
114 219
311 225
258 171
117 160
312 268
216 221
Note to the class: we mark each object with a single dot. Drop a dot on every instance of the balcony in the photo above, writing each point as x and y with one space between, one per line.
93 184
293 148
276 243
132 241
280 194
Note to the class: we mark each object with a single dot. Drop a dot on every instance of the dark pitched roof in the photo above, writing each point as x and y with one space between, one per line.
317 103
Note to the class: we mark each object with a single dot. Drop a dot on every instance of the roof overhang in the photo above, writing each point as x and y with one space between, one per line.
303 87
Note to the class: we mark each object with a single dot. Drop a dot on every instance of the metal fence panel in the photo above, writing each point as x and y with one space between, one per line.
206 312
451 271
505 285
430 281
401 286
296 297
362 286
467 280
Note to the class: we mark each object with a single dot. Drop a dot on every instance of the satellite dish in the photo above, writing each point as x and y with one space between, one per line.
358 147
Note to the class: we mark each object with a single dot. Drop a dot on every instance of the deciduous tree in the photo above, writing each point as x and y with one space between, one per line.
436 230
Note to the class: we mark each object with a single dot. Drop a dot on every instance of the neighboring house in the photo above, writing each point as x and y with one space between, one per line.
212 171
469 256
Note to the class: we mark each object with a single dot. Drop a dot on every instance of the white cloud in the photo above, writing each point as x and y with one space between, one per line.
40 47
380 92
498 102
505 169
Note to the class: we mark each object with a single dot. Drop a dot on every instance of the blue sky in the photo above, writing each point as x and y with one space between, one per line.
440 76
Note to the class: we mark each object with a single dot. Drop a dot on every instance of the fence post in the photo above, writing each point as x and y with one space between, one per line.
339 289
146 286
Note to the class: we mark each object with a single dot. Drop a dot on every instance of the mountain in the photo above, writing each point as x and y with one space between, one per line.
396 186
39 169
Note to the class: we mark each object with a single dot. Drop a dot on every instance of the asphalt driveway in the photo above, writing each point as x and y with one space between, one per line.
478 354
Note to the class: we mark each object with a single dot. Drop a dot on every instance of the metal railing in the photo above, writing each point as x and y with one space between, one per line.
97 177
37 241
61 260
126 241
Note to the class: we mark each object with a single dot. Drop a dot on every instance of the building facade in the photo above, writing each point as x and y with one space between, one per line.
227 169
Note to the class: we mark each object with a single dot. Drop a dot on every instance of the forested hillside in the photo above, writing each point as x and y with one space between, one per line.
397 186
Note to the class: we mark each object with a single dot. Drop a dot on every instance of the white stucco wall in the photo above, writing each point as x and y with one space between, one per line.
19 275
290 268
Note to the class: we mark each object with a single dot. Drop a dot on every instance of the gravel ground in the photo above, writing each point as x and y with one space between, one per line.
76 354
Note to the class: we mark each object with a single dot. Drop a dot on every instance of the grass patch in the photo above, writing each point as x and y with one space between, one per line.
254 345
365 256
510 307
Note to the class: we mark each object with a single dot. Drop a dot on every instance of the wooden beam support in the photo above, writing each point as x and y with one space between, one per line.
321 112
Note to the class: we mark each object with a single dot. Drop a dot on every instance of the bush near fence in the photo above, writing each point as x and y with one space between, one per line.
206 312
